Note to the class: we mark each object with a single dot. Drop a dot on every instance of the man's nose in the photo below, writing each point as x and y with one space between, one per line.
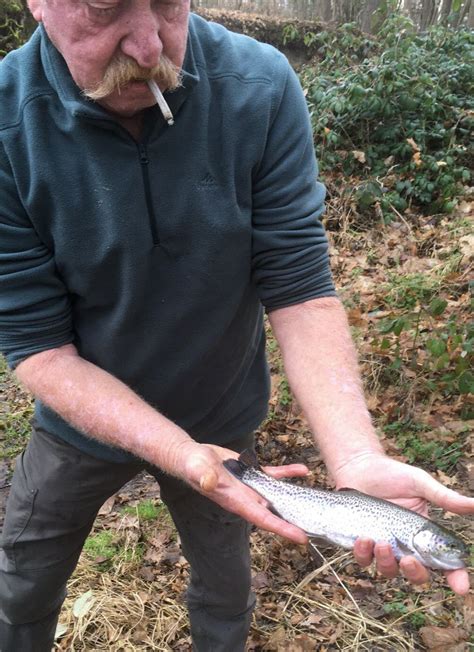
142 40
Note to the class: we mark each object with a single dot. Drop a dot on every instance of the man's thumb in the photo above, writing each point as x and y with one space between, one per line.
201 472
208 480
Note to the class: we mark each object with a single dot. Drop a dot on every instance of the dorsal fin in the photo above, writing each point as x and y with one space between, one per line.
249 458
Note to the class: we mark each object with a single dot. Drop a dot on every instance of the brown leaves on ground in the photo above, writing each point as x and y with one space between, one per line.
444 639
137 600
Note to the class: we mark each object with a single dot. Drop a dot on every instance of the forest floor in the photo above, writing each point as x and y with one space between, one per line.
128 590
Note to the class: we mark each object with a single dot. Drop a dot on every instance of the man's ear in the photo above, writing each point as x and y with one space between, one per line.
36 8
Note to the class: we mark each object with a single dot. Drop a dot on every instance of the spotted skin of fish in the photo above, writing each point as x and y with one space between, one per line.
340 517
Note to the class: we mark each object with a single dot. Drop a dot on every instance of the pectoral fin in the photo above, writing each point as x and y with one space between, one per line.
273 510
403 547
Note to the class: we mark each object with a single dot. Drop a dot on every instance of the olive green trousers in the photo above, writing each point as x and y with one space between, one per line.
55 495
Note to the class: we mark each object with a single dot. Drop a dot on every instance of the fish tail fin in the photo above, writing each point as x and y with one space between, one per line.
246 459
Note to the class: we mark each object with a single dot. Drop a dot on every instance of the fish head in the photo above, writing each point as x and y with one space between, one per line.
439 548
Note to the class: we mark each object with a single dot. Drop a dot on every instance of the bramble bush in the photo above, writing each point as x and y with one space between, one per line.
401 119
12 19
444 353
345 45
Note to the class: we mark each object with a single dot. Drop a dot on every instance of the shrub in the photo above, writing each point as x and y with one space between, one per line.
16 24
403 116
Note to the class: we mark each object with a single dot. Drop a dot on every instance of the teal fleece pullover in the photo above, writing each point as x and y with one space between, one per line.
157 258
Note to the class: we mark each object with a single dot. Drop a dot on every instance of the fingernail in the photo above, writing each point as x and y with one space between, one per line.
385 553
409 566
208 481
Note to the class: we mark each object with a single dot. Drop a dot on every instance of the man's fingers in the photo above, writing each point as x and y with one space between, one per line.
414 571
440 495
385 560
287 471
233 495
253 509
458 580
264 519
258 513
364 552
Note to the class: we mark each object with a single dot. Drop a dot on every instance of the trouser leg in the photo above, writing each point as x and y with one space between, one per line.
216 544
55 495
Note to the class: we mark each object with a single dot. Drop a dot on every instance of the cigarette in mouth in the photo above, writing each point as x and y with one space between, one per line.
160 100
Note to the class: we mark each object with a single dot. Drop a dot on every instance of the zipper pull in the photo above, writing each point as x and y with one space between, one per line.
143 154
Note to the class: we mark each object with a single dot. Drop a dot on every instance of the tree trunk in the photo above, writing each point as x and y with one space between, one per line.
323 9
369 20
445 11
344 11
428 14
470 16
413 10
466 10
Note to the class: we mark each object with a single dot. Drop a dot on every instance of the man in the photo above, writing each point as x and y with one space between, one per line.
135 261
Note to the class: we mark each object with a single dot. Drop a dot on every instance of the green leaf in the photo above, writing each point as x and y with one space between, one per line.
436 347
366 199
466 382
399 325
387 326
442 361
396 364
437 307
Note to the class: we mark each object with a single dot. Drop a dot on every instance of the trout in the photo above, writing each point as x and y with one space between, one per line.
340 517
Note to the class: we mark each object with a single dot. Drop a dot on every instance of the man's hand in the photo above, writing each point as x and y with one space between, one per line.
201 467
411 487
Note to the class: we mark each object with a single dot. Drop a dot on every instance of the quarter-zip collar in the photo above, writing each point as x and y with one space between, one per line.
70 95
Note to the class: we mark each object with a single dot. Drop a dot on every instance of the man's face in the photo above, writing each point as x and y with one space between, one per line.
92 34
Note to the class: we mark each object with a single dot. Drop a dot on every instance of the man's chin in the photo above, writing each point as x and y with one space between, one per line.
132 99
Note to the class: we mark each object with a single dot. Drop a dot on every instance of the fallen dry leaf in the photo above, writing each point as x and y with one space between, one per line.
466 245
83 604
146 573
466 207
301 643
359 156
107 507
468 612
313 619
459 427
448 481
413 145
277 638
260 580
442 637
356 317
